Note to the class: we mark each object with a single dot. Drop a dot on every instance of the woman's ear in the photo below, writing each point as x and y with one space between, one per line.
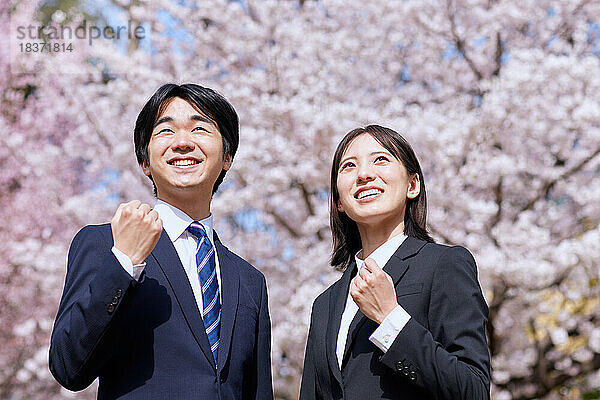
227 161
414 186
340 207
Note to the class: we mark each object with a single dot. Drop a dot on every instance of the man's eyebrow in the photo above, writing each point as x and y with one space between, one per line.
195 117
198 117
163 119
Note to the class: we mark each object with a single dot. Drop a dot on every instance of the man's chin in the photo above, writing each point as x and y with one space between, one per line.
188 189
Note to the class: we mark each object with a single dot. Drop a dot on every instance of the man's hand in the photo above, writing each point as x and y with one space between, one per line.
373 291
135 228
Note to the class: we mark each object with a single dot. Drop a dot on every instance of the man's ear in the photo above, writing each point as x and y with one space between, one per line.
145 167
227 161
414 186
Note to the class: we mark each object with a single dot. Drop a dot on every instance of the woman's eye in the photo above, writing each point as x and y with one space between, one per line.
381 158
199 129
347 165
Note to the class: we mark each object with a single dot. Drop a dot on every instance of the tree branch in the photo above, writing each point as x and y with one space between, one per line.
551 183
498 216
284 223
460 43
309 207
499 52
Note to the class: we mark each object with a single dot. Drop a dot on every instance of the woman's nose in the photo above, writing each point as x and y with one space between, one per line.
365 174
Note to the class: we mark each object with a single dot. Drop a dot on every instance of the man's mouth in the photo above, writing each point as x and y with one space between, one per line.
368 193
186 162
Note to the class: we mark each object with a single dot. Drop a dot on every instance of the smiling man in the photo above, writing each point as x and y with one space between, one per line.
154 305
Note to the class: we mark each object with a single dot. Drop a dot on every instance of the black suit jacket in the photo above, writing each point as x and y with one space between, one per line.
441 353
146 339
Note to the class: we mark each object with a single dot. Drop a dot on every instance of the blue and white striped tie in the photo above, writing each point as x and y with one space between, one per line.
207 271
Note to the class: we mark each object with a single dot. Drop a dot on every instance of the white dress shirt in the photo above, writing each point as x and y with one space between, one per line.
175 223
390 327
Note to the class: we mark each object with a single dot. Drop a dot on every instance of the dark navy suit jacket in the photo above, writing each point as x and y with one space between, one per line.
146 339
441 353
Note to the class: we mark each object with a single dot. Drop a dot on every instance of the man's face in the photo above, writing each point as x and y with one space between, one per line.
185 153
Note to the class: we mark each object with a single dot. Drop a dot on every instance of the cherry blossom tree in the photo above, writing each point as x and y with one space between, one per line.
501 100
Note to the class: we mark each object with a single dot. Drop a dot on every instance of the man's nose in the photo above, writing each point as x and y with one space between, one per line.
182 141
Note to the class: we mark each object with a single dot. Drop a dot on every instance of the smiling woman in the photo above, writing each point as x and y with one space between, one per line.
407 318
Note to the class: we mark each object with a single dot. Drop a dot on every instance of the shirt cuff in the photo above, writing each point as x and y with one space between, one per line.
134 270
386 333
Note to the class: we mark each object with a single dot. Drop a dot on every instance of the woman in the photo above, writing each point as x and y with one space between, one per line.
410 324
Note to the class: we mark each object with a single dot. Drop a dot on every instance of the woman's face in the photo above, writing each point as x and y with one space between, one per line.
373 185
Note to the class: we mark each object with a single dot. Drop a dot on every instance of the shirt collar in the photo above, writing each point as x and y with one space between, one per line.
383 253
176 222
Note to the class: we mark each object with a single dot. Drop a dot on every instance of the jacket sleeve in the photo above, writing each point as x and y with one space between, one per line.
449 359
96 293
308 387
264 383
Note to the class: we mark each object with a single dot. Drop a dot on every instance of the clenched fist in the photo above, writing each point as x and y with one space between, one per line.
373 291
136 229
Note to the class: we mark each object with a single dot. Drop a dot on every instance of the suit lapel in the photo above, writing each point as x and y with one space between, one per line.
230 284
396 267
167 259
337 303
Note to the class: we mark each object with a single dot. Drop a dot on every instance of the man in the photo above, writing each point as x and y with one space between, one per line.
154 305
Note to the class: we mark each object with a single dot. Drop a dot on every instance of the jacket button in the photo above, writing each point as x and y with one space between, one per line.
399 366
413 376
119 293
406 370
115 301
110 308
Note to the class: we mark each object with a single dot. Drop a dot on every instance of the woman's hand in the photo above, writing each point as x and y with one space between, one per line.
373 291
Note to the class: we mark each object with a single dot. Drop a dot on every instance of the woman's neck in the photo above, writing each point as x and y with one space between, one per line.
372 237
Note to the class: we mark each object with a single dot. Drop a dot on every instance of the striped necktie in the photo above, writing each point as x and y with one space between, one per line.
207 272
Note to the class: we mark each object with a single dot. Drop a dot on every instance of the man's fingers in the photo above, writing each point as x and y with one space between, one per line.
118 212
153 215
134 213
156 227
135 203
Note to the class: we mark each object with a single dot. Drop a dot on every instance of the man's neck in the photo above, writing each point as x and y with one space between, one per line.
196 207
